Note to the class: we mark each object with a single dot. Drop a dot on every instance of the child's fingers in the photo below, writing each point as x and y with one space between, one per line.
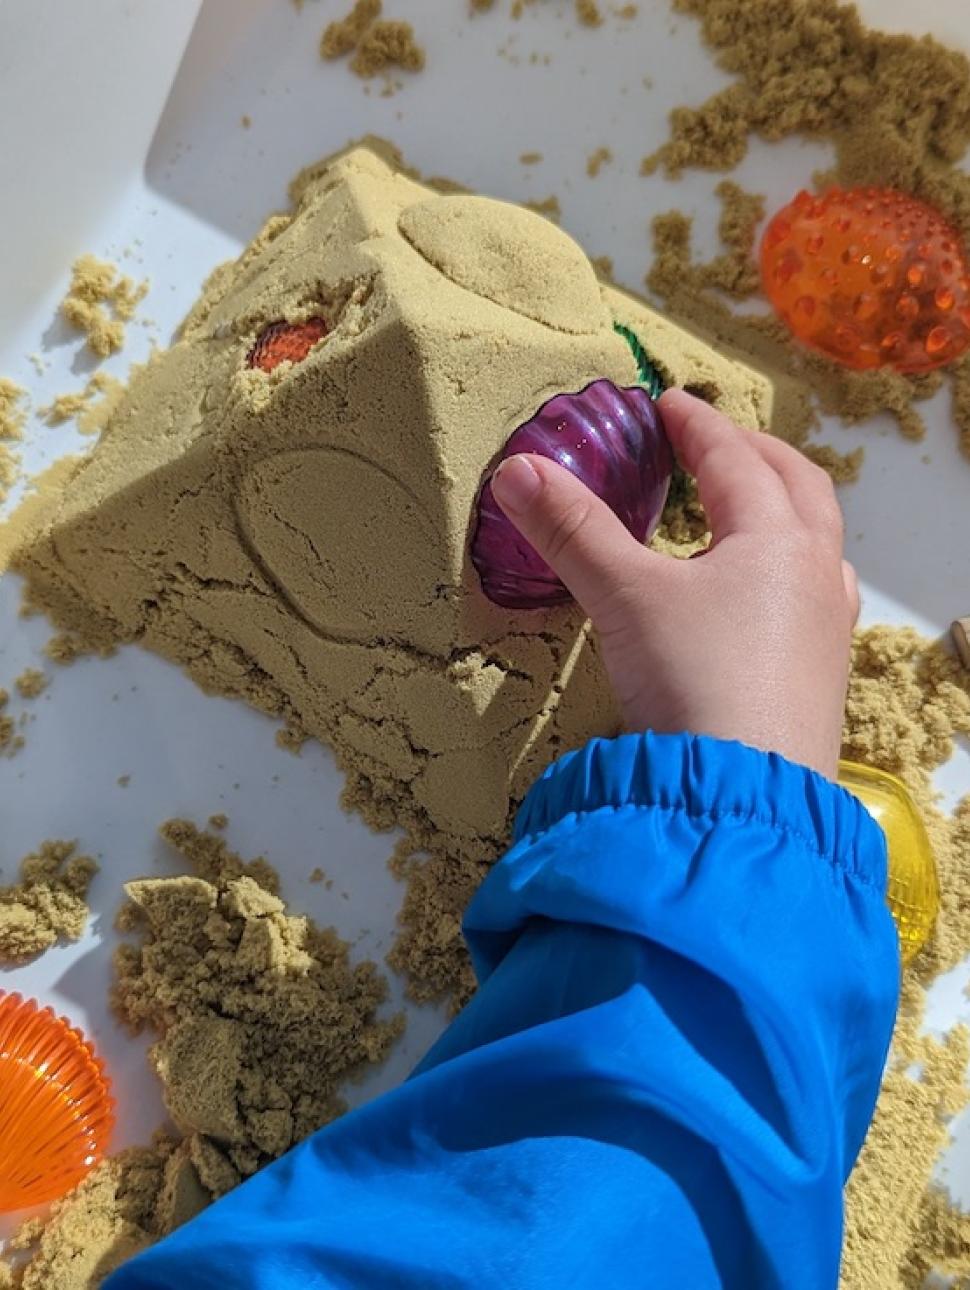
850 581
739 490
571 528
809 487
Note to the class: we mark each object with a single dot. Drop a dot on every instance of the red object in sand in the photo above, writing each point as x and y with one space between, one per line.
283 342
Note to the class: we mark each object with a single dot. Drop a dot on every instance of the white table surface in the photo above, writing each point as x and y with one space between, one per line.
123 137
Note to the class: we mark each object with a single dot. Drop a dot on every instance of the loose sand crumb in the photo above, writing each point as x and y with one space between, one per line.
530 158
587 11
377 44
8 726
100 300
91 413
219 821
597 160
546 206
387 44
266 1003
31 682
48 901
65 647
245 120
344 35
292 738
13 416
318 874
843 467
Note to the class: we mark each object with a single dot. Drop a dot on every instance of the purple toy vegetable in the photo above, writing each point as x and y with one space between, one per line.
611 439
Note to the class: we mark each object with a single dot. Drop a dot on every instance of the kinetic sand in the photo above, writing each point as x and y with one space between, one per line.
299 538
259 1017
905 703
48 901
99 301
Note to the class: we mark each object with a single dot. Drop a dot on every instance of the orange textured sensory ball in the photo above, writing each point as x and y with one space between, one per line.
283 342
871 277
56 1110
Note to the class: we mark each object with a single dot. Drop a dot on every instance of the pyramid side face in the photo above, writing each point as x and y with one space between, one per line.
300 538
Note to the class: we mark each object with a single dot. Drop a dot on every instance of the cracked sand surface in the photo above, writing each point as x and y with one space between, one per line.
298 538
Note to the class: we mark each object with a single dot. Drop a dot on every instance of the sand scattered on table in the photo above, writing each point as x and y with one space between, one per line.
124 1205
530 158
47 903
896 109
13 416
597 160
548 207
31 682
99 301
898 113
908 698
265 1003
11 740
260 1018
588 13
91 412
291 739
376 44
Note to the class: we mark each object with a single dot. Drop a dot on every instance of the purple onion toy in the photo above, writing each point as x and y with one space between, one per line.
613 440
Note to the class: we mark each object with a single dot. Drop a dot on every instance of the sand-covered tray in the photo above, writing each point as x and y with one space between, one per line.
247 561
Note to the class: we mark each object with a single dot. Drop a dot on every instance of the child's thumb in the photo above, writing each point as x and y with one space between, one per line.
571 528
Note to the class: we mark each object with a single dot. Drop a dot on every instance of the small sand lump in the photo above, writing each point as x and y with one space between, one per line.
31 683
12 418
260 1014
375 43
100 300
597 160
588 13
90 412
49 901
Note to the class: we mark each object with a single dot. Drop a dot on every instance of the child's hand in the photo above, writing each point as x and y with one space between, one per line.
749 642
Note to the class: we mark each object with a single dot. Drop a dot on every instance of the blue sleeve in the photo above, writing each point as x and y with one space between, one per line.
688 982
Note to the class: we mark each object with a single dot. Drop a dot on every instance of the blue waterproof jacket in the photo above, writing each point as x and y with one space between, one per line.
688 982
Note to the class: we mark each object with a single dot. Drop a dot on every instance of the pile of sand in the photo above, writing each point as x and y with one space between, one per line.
260 1017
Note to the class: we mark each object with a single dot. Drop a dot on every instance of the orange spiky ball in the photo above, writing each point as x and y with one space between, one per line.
283 342
871 277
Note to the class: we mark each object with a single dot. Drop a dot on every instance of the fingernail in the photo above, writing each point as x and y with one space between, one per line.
515 483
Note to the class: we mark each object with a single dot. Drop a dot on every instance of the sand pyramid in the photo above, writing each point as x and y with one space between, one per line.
299 537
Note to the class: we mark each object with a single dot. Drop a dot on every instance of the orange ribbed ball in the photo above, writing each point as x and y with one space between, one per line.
871 277
56 1109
